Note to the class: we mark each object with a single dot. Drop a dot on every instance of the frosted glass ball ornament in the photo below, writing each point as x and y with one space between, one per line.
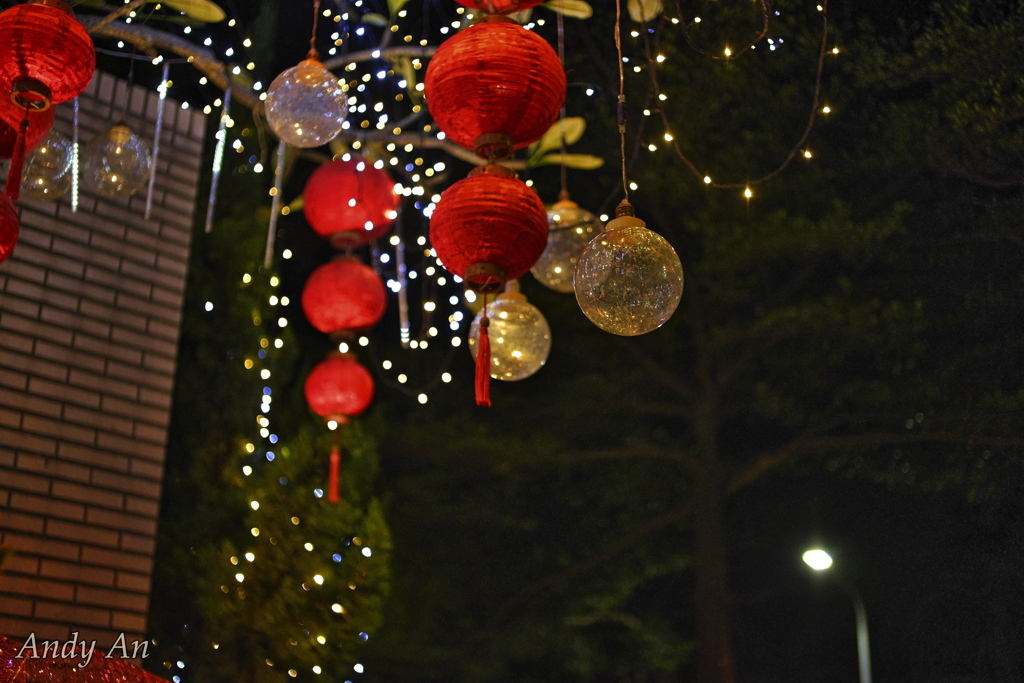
570 229
520 337
305 105
116 164
47 175
629 279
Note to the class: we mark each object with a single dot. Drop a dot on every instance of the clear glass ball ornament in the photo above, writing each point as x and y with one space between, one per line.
629 279
116 164
520 337
305 105
47 174
571 228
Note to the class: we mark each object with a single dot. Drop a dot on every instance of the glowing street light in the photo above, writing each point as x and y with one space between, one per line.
819 560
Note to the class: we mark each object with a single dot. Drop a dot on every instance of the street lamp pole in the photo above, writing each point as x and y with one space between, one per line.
819 561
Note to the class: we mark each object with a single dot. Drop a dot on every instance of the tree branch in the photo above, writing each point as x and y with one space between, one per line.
804 446
659 372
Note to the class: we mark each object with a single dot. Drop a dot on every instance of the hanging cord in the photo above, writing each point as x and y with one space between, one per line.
313 54
621 109
561 58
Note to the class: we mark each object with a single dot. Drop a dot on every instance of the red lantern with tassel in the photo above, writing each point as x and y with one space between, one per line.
487 229
9 226
336 389
499 6
343 295
350 202
495 87
46 57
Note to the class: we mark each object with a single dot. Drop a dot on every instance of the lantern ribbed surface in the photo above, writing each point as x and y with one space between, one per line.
342 198
489 218
8 226
495 78
11 116
499 6
343 295
47 44
339 386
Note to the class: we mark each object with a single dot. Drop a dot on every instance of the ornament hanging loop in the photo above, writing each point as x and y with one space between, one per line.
485 278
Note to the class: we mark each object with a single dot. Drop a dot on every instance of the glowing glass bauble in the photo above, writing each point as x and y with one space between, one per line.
570 229
629 279
116 164
306 105
520 337
48 169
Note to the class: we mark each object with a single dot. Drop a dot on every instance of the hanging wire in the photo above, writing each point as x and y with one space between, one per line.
561 59
313 54
621 109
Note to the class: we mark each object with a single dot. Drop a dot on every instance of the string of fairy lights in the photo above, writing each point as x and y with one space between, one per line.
385 98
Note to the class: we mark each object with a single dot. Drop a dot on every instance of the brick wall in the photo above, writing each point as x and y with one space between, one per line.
90 304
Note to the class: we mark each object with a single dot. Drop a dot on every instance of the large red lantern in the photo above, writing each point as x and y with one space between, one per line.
489 228
495 86
41 43
499 6
350 202
8 226
343 295
46 57
337 389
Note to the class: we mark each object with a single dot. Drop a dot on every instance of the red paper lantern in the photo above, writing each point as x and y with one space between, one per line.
495 81
338 388
499 6
40 123
489 228
8 226
350 202
41 42
343 295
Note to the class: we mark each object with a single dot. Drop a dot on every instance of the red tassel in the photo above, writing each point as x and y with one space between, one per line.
483 364
334 478
13 188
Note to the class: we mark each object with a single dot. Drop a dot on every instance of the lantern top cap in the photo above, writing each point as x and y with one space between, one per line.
511 296
312 59
56 4
493 169
625 217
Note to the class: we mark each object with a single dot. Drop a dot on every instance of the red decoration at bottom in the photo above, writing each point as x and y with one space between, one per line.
334 478
483 363
9 226
44 669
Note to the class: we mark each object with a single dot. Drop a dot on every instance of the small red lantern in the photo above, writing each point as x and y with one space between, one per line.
343 295
41 43
336 389
8 226
350 202
499 6
489 228
495 87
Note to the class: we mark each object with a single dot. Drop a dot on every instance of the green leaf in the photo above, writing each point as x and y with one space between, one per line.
642 11
395 5
577 9
200 10
586 162
374 19
571 127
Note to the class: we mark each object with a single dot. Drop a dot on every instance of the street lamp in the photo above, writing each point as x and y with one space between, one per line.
819 560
